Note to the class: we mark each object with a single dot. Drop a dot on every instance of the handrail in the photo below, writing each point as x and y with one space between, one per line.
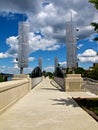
89 79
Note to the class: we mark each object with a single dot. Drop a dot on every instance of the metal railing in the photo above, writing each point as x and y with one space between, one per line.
91 85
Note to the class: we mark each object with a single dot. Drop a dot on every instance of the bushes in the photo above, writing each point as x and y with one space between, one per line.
93 73
50 74
1 78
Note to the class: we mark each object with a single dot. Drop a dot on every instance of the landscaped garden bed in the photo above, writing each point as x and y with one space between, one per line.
90 105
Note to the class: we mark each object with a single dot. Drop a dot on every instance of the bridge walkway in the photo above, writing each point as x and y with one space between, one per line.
47 108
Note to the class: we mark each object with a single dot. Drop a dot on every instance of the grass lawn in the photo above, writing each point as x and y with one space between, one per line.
90 105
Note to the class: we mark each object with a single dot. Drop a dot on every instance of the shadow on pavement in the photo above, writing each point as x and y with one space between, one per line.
55 89
67 102
54 84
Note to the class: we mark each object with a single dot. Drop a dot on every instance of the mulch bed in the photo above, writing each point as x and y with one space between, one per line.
90 105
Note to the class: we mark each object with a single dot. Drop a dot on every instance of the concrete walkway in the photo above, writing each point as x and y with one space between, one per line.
46 108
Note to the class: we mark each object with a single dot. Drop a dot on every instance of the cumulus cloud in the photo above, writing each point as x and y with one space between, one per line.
88 56
19 6
88 53
79 46
6 69
16 69
36 42
4 55
31 59
12 42
16 66
51 18
15 61
63 64
3 67
49 69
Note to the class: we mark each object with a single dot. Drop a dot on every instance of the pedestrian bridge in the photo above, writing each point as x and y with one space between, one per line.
45 107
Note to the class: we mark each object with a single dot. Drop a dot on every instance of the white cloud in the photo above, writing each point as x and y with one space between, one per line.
88 56
17 6
16 66
63 64
88 53
49 69
53 14
4 55
11 70
38 43
31 59
47 30
12 42
3 67
51 19
88 59
15 61
79 46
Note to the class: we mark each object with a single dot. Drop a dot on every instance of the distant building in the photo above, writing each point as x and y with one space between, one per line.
95 65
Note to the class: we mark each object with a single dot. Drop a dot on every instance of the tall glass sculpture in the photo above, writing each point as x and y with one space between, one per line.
71 44
23 45
55 63
40 63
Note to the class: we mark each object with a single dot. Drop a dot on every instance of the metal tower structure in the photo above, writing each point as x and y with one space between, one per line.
23 45
55 63
40 63
71 44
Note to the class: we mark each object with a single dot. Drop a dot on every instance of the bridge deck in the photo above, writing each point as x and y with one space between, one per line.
47 108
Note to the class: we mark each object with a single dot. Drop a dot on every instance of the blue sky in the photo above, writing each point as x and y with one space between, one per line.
47 33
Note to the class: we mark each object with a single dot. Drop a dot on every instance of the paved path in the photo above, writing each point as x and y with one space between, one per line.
46 108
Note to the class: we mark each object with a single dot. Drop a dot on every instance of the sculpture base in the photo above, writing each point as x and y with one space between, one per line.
73 82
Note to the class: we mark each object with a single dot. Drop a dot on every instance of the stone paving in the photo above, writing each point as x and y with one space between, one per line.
47 108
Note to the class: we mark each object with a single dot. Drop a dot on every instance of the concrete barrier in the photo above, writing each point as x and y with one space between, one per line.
12 91
72 82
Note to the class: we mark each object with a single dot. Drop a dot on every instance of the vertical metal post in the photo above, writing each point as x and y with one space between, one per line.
40 63
55 63
21 70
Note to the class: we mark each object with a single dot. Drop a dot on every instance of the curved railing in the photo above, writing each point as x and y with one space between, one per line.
90 85
91 80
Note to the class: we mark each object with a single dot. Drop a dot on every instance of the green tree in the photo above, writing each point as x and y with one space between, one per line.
80 70
95 2
1 78
94 24
50 74
93 73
